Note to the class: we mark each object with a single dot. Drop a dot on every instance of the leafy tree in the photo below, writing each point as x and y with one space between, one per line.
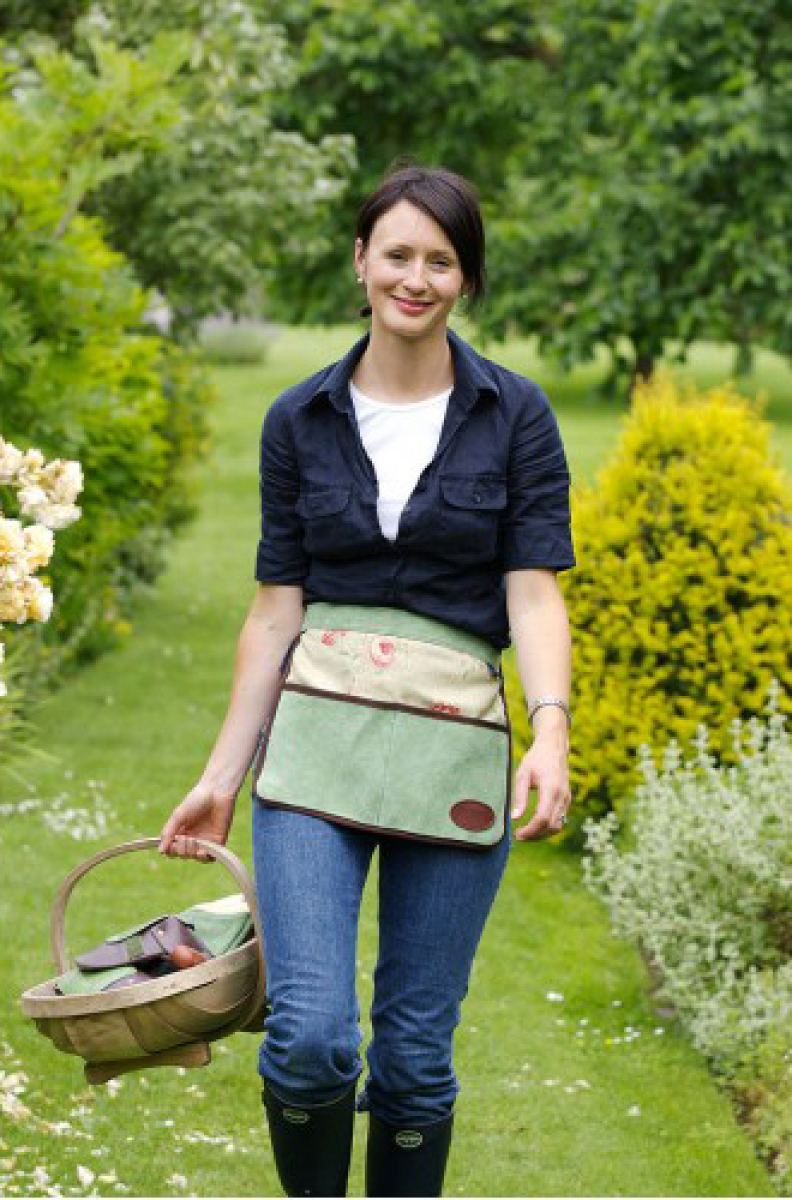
651 201
203 220
203 214
632 157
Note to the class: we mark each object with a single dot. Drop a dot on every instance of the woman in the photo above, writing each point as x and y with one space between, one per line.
415 511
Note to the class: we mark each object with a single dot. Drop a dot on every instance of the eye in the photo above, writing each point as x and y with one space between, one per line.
442 262
395 254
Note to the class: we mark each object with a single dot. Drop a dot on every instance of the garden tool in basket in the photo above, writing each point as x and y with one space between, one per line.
159 993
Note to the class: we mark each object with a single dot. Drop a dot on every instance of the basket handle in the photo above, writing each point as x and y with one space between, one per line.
229 860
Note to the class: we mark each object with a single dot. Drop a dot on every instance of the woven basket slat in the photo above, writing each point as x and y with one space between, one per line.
56 1030
103 1036
198 1020
153 1032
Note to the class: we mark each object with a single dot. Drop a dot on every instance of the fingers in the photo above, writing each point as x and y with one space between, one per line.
542 825
180 845
169 831
175 840
187 847
523 782
550 816
553 802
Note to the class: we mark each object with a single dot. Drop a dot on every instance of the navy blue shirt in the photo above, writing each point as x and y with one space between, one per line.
494 498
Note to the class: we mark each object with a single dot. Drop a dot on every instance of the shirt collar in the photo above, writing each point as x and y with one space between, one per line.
471 380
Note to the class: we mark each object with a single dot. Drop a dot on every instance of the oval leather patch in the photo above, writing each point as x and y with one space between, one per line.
474 815
408 1139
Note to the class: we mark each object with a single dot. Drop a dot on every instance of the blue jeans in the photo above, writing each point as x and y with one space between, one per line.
433 904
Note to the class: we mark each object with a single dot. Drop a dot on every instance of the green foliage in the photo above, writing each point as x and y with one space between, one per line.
203 217
53 18
763 1094
450 82
80 376
704 886
632 158
651 198
202 214
681 602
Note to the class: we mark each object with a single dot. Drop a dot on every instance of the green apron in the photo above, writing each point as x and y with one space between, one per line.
393 722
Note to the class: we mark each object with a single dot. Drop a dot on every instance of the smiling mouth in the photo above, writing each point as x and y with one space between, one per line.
413 303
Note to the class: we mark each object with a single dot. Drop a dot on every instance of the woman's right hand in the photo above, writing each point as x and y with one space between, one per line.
203 813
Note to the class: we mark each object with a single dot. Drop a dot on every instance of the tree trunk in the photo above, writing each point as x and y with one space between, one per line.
642 368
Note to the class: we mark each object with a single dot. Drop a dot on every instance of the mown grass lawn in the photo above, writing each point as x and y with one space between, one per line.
571 1085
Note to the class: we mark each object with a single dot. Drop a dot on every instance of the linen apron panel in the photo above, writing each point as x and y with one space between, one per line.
391 732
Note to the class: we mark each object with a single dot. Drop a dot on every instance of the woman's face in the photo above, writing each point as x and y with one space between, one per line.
410 270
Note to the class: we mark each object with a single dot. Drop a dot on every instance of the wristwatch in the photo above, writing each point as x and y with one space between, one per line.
544 700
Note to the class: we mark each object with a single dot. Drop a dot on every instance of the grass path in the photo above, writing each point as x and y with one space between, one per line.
570 1084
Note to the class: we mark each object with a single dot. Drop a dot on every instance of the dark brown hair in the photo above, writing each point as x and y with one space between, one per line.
446 197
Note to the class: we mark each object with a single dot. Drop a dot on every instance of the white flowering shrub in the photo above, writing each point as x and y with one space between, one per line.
45 492
704 884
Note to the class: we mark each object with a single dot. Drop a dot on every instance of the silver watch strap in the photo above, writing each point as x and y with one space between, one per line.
545 700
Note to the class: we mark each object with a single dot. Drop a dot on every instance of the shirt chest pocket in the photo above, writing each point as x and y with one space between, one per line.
331 521
470 510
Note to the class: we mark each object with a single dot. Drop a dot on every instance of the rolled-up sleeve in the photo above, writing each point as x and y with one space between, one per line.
537 528
281 556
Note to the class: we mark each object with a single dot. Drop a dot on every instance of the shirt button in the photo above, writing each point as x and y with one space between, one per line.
477 497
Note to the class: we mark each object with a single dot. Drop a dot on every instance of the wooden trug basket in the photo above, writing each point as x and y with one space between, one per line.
167 1022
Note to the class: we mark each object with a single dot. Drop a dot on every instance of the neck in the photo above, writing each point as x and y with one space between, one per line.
395 368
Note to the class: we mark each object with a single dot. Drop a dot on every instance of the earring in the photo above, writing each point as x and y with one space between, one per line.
360 278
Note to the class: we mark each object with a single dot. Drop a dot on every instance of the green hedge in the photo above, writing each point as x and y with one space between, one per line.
681 601
81 375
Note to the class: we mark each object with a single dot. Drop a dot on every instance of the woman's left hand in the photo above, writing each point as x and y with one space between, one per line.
544 767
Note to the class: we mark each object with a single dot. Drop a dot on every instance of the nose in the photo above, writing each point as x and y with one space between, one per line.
414 279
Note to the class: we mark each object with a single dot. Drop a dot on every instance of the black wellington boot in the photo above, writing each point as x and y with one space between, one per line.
312 1144
407 1160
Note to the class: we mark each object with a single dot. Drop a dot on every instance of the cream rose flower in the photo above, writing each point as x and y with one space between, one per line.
38 600
29 469
13 572
13 606
10 459
32 500
58 516
39 544
63 480
12 541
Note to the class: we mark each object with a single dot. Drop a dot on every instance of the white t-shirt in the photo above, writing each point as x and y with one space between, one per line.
400 440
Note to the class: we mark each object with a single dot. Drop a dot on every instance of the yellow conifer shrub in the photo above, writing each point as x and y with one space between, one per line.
681 601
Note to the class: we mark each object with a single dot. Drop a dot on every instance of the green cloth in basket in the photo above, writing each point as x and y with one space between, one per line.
222 925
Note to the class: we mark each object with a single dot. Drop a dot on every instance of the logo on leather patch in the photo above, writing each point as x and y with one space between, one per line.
408 1139
295 1116
474 815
